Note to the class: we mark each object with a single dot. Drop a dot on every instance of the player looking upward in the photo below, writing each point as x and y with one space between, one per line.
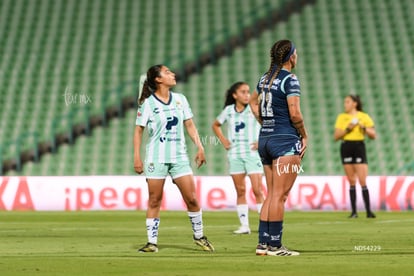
165 114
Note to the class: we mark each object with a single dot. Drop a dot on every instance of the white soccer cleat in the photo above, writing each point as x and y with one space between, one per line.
281 251
242 230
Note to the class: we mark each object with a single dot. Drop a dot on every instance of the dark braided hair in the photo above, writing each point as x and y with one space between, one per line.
229 94
278 54
358 101
150 85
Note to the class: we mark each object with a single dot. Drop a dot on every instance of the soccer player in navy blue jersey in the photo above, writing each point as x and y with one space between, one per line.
282 142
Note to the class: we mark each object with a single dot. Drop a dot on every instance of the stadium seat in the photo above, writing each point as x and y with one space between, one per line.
99 48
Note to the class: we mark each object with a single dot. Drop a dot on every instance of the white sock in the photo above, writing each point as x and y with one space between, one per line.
243 213
196 223
259 207
152 229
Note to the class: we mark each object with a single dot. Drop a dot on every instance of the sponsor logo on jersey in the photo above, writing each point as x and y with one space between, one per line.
268 123
239 140
174 139
294 83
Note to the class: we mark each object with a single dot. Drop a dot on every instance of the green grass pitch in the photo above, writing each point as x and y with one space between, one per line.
105 243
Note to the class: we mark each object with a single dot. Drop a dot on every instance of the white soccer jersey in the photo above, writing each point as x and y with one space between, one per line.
242 130
164 123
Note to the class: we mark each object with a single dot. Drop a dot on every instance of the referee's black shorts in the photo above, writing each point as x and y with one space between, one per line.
353 152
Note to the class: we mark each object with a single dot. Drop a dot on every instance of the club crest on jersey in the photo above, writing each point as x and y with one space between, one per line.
171 121
178 104
156 110
240 126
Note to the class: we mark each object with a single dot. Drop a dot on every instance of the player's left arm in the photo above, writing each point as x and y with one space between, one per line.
370 132
368 127
291 88
192 131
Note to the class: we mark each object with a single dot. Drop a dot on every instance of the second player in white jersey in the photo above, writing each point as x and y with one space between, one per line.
242 131
241 144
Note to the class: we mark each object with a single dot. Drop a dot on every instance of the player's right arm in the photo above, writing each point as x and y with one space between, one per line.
219 133
138 165
220 120
368 127
254 106
141 122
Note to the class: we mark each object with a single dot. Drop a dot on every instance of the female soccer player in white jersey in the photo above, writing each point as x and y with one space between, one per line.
241 144
165 114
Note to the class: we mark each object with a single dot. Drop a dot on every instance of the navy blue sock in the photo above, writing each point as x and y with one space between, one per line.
275 229
264 232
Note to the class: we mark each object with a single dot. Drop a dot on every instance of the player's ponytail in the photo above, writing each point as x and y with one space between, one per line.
280 53
357 100
150 85
229 94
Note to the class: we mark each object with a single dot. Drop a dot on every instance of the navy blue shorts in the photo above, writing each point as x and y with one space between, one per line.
271 148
